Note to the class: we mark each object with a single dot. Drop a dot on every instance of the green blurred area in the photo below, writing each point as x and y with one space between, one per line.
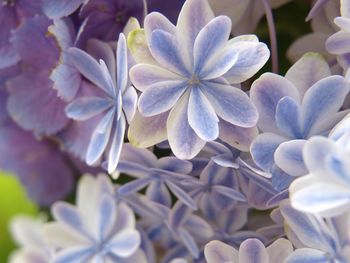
13 201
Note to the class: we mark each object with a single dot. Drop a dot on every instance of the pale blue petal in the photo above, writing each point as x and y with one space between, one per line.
229 192
100 138
87 107
107 216
323 99
338 167
288 117
57 9
253 251
289 157
183 141
122 64
201 116
165 48
8 56
251 58
338 43
117 143
133 186
307 255
161 97
210 41
266 93
159 193
73 255
175 165
68 215
280 179
216 251
189 242
198 227
125 243
154 21
182 195
263 149
92 70
231 104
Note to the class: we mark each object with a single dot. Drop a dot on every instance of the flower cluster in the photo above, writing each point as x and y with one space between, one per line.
162 122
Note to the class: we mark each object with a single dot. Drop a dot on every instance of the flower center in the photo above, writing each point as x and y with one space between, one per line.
194 80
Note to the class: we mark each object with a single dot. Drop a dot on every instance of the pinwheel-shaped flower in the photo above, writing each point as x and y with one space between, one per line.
292 109
186 76
250 251
118 105
97 230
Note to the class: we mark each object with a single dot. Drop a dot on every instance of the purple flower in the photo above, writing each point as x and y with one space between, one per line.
192 87
118 103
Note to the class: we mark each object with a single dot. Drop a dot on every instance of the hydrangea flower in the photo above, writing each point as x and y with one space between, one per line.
317 239
97 229
29 236
326 189
161 176
192 87
250 251
118 105
292 109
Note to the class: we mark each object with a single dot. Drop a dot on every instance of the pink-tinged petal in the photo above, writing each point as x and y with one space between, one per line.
201 116
231 104
117 143
252 56
168 51
216 251
210 41
161 97
323 99
100 138
194 15
338 43
92 70
238 137
288 156
147 131
311 68
263 149
312 42
253 251
183 140
265 93
144 75
57 9
38 108
36 48
154 21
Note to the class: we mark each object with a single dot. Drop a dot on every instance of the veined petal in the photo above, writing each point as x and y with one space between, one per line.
92 70
311 68
161 97
194 15
252 56
288 156
144 76
69 216
87 107
265 93
216 251
106 216
307 255
210 41
129 102
263 149
323 99
73 255
201 116
231 104
182 139
122 64
154 21
167 51
175 165
147 131
117 143
100 138
125 243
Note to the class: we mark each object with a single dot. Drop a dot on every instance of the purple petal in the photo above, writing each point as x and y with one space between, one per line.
175 165
338 43
182 195
252 251
158 192
57 9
